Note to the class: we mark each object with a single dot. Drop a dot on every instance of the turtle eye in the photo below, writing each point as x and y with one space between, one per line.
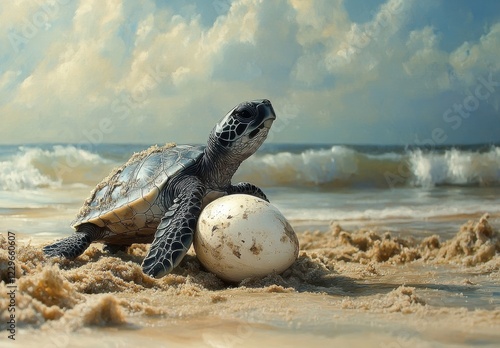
244 114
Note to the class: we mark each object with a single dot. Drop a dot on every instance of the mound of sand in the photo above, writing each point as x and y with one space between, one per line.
476 242
102 289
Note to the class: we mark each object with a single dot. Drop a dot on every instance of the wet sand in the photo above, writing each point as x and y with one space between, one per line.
352 288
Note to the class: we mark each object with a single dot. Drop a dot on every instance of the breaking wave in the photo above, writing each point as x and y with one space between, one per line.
36 167
31 167
455 167
341 166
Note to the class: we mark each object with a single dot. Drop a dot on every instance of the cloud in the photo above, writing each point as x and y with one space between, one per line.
478 56
426 62
167 72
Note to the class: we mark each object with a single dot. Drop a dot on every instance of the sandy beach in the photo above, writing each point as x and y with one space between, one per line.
347 288
379 266
372 126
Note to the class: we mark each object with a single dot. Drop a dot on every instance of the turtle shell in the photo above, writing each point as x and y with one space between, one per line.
125 202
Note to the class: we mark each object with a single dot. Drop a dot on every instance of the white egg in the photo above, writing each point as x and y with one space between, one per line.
241 236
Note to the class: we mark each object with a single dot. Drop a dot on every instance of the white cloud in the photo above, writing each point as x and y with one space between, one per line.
437 70
363 44
473 58
426 62
163 67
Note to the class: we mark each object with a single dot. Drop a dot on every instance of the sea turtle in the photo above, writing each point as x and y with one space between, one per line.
157 196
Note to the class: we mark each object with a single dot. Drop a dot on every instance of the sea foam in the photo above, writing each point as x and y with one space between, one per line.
455 167
330 168
341 166
35 167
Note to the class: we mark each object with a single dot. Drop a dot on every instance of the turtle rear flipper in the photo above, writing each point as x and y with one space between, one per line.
76 244
175 232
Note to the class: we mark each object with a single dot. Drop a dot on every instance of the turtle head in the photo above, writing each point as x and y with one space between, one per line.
244 128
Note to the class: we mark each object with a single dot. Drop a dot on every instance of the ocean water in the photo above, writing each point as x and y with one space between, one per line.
349 287
410 190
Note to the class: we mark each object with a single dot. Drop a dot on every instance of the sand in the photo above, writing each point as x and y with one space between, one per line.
360 287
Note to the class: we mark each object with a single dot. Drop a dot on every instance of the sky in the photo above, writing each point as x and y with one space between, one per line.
409 72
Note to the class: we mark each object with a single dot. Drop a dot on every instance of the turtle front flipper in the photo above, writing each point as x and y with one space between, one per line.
76 244
248 189
175 232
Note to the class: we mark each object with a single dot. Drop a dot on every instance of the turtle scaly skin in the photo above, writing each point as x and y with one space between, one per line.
157 196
